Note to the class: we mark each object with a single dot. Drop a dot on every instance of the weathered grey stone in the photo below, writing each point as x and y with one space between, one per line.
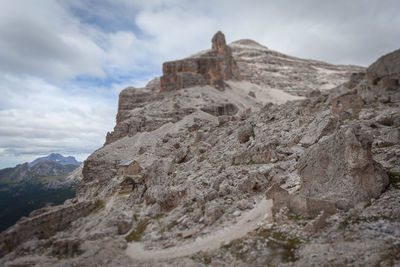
43 225
318 223
124 226
221 110
259 154
244 134
324 124
389 117
347 104
385 72
212 213
341 168
67 247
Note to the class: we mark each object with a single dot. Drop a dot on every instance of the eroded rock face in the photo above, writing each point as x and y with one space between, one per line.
382 81
42 224
347 105
385 72
340 169
211 68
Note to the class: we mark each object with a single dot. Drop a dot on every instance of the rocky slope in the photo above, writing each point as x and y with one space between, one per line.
252 156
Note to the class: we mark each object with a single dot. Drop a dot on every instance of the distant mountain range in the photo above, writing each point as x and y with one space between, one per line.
56 158
45 181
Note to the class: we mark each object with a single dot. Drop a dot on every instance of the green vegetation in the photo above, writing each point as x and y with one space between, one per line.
385 144
357 220
252 132
356 116
299 219
202 257
289 245
99 205
172 225
137 234
394 179
189 210
18 199
281 247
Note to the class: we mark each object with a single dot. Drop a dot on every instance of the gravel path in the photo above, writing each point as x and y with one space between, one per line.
246 223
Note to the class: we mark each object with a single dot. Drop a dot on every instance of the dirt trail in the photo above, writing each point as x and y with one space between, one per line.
246 223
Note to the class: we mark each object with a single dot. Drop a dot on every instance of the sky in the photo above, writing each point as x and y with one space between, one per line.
63 63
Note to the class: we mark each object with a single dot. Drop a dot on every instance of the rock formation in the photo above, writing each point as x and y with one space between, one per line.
340 169
385 72
212 68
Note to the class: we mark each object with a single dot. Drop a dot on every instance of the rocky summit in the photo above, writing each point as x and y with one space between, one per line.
236 156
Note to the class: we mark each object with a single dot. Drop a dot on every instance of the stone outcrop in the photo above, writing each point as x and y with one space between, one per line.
347 105
382 81
340 169
42 224
228 109
324 124
385 72
212 68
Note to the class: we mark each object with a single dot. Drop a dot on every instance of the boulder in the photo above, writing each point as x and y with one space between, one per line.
347 105
244 134
259 154
323 125
340 169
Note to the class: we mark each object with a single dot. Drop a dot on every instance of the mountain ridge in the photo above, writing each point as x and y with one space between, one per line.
57 158
301 153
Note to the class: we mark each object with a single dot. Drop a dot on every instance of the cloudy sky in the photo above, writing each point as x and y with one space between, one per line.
63 63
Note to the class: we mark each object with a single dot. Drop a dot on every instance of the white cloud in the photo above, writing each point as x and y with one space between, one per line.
41 118
63 63
44 40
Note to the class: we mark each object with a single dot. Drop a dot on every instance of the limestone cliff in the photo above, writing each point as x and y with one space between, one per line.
212 68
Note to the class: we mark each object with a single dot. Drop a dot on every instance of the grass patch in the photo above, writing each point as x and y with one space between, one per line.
394 179
369 203
356 116
157 217
281 248
385 144
99 205
189 210
202 257
299 219
289 245
357 220
137 234
172 225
